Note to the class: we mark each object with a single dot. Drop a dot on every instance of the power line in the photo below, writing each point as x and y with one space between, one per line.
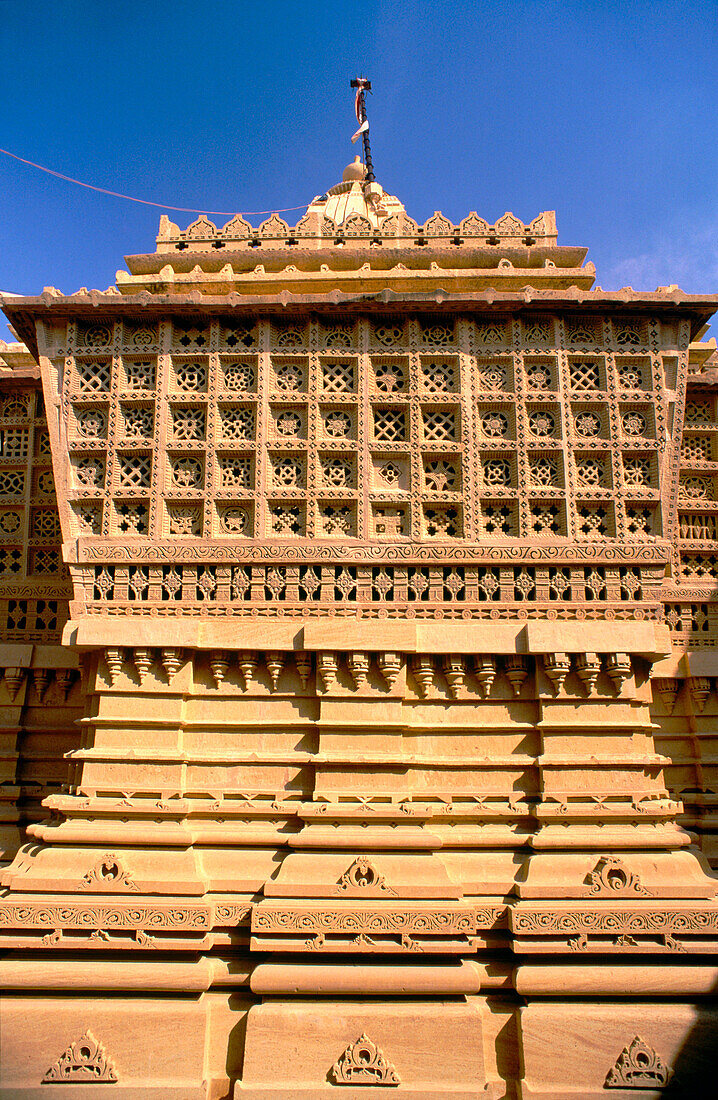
146 202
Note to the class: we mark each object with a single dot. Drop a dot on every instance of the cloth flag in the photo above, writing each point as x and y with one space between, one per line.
360 111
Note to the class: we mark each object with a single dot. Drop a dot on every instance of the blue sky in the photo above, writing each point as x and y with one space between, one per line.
604 112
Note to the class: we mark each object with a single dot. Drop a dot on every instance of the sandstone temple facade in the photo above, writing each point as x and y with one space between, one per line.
359 629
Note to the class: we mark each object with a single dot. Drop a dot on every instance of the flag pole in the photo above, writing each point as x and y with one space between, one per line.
362 85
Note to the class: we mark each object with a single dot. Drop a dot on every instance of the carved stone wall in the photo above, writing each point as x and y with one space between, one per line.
386 709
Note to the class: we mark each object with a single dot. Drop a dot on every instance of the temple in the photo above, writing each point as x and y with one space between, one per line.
359 632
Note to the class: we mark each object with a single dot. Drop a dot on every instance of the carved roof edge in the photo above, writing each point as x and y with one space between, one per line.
23 312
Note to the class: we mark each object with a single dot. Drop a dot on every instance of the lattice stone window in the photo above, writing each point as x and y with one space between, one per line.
11 561
389 377
495 425
95 336
338 472
581 331
90 471
538 331
42 444
287 471
138 583
91 423
236 520
15 407
187 472
438 333
93 375
488 585
12 483
633 423
439 376
387 333
631 374
288 336
640 520
593 521
237 424
190 336
524 584
703 526
46 560
14 443
439 425
491 332
590 472
138 422
310 583
338 376
190 377
543 471
141 336
628 333
238 336
441 475
697 488
539 377
630 581
239 377
140 374
493 376
390 520
699 566
287 520
89 518
545 518
499 518
585 375
131 518
542 424
289 424
442 522
235 471
587 425
389 425
10 522
390 474
338 336
559 584
699 412
188 423
336 520
45 485
184 519
135 471
594 581
419 584
288 377
45 524
637 470
697 448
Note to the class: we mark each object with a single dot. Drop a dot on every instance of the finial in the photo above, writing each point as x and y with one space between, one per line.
363 86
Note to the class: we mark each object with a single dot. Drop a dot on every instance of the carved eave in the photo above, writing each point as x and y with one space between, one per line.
24 313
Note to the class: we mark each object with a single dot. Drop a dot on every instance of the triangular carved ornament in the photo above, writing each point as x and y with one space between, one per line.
638 1067
363 1063
109 875
83 1061
361 877
611 878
